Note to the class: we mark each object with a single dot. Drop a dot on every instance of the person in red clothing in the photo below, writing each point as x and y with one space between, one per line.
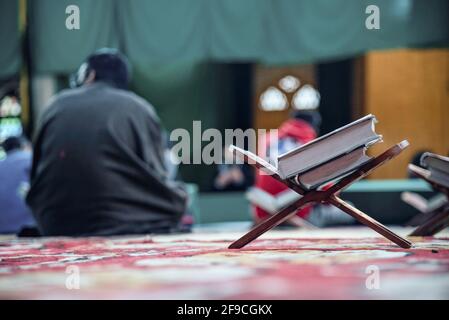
302 127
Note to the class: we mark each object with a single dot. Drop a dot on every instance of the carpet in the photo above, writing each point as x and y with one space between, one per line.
348 263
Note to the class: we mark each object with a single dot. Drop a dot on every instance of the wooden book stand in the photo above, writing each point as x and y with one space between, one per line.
252 194
325 196
438 219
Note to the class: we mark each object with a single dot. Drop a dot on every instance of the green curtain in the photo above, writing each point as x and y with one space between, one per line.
9 38
266 31
55 49
312 31
161 31
237 29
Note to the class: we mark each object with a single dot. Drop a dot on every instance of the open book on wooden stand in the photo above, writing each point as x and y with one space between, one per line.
426 208
273 203
436 217
328 158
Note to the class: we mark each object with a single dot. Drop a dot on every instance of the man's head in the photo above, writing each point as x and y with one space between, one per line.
14 143
107 65
312 117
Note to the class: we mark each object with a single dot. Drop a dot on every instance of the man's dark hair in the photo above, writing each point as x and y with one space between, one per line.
109 65
11 89
312 117
14 143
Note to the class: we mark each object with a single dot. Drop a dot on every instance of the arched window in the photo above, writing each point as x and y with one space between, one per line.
289 92
306 98
273 99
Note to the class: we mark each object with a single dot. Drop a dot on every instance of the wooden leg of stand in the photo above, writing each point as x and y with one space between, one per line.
432 226
269 223
370 222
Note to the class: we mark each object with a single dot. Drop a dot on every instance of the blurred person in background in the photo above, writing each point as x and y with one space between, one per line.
231 176
98 165
302 127
15 163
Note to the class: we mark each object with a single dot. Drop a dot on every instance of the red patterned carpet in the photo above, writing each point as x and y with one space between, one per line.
324 264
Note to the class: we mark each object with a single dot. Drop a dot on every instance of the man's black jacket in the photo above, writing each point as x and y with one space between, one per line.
98 166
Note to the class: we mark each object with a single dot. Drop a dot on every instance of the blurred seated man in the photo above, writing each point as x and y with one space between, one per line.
302 127
14 183
231 176
98 166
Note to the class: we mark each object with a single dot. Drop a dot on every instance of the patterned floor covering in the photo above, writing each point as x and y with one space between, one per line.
350 263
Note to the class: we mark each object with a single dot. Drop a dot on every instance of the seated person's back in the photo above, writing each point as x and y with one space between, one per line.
14 176
98 166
